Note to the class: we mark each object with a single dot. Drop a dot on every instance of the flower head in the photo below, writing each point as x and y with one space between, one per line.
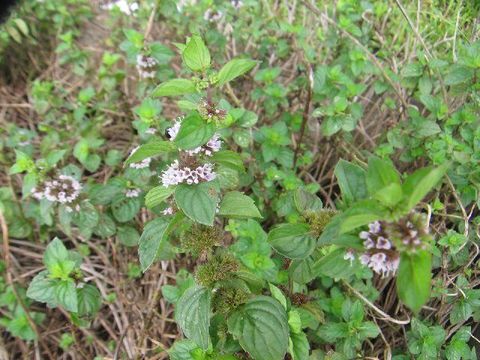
146 66
63 189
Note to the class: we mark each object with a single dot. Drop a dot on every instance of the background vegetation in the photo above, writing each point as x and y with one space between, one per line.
342 101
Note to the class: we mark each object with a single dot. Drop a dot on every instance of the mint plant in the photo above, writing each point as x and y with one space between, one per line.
314 202
62 284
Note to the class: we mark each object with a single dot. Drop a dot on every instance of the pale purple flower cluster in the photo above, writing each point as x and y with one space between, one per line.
212 145
380 254
132 193
141 164
212 15
175 175
146 66
64 189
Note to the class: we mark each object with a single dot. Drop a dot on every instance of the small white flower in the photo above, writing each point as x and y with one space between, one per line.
375 227
168 211
349 255
212 15
151 131
132 193
237 4
173 131
369 244
65 189
383 243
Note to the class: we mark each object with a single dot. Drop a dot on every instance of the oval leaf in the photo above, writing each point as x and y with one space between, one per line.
198 202
261 327
292 240
193 315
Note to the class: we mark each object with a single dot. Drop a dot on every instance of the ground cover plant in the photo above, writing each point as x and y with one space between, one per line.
240 180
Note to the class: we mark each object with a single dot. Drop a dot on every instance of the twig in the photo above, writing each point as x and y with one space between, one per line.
8 274
386 317
306 112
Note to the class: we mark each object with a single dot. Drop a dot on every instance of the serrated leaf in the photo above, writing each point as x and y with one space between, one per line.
89 300
66 295
299 347
236 204
233 69
414 278
198 202
229 159
192 314
196 55
261 327
42 288
157 195
420 183
55 254
150 241
125 209
150 149
306 201
194 132
175 87
380 173
351 179
293 241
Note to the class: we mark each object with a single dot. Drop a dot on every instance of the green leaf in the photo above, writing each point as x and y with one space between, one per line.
390 195
42 288
151 240
89 300
106 227
175 87
419 184
157 195
306 201
351 179
414 278
192 314
331 332
233 69
198 202
236 204
66 295
182 349
194 132
299 347
125 209
128 235
278 295
230 159
459 74
196 55
362 213
334 266
150 149
261 327
55 254
380 173
293 241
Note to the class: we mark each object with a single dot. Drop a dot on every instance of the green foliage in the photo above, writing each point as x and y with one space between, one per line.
61 284
303 160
